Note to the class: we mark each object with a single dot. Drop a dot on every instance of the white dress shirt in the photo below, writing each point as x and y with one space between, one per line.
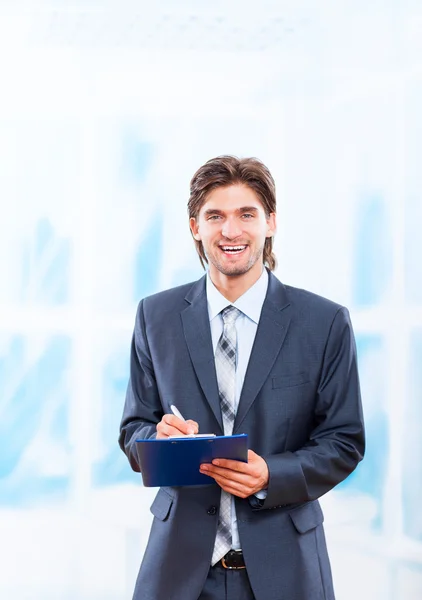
250 305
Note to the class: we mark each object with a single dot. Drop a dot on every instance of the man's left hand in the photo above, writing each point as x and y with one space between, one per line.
239 478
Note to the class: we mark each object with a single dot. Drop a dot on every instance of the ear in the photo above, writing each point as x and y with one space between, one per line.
194 227
271 225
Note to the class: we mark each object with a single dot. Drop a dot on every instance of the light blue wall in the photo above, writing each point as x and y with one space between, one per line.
105 114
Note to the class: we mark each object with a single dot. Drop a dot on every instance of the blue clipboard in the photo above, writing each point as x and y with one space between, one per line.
175 461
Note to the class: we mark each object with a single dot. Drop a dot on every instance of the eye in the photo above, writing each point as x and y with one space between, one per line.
247 216
214 217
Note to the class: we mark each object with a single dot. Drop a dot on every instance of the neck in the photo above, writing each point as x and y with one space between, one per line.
234 286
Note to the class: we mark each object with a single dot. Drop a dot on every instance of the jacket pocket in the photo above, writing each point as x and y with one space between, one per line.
161 505
290 380
307 517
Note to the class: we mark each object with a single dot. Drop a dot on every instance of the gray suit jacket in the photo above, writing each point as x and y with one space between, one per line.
300 406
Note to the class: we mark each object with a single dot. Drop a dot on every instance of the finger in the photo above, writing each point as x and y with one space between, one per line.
193 425
164 430
173 421
227 474
233 465
185 427
255 467
241 491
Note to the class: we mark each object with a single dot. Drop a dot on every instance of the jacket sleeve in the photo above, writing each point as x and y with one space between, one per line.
337 442
142 410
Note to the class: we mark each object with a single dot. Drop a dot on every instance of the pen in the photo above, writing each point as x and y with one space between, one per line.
176 412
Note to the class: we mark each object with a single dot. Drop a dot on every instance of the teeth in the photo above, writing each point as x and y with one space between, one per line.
233 248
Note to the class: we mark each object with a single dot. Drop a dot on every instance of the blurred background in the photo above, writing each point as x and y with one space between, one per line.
106 111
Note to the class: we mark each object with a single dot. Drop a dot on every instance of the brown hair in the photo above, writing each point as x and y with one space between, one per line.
223 171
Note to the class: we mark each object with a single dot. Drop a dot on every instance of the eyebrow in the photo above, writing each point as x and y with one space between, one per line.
243 209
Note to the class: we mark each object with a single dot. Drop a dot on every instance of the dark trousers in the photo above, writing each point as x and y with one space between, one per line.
226 584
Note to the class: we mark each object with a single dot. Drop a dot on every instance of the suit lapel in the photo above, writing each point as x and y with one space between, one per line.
197 332
271 332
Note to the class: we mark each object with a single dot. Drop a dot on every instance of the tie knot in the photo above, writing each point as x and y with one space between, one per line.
230 314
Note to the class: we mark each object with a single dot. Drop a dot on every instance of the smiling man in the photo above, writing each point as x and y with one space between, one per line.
240 352
233 227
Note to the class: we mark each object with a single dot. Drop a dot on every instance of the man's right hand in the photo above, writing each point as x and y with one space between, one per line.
172 425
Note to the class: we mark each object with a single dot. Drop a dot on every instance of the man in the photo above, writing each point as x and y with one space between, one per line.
279 366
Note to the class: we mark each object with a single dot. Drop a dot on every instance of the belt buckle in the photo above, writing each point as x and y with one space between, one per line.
226 566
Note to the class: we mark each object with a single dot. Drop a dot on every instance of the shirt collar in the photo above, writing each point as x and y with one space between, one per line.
250 303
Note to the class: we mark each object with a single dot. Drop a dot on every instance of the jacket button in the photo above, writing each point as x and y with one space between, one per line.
212 510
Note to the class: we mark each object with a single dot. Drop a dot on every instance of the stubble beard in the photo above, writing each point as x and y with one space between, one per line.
235 270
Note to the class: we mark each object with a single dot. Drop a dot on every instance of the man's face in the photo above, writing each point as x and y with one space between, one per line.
232 227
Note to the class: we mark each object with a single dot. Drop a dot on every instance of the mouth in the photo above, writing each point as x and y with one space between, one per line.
233 250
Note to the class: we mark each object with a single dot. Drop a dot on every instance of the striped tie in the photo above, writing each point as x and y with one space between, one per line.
225 366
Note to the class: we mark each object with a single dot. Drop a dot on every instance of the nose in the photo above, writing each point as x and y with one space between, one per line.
231 229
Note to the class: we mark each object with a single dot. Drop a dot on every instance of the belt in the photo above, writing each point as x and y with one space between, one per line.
232 560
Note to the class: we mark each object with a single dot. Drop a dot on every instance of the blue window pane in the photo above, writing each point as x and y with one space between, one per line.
136 157
413 182
412 444
113 467
373 252
148 260
35 457
45 267
369 477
